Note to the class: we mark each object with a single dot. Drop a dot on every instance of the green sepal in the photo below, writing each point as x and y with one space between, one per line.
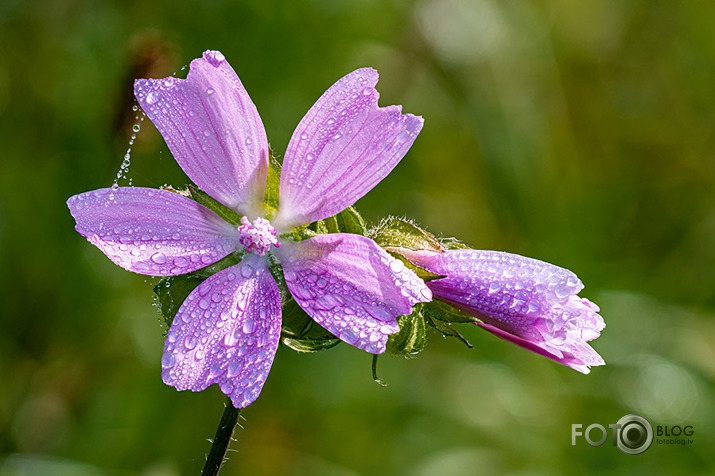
442 311
402 233
310 345
410 340
447 330
421 273
318 227
273 185
453 244
214 205
347 221
331 224
303 334
350 221
171 291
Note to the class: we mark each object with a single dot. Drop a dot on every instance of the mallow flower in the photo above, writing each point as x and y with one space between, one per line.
227 330
528 302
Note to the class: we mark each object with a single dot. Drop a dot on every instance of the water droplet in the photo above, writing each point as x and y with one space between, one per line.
215 58
249 325
249 141
246 270
378 313
152 98
349 336
234 369
397 266
210 91
158 258
367 91
168 360
136 128
190 342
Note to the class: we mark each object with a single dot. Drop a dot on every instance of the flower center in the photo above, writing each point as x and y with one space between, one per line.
259 235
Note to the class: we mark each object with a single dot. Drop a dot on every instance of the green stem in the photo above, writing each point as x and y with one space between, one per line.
217 455
377 379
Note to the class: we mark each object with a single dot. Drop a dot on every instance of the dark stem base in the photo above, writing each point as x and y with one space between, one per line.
217 455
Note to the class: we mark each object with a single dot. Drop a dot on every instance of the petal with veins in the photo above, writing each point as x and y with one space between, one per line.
342 148
226 332
351 287
153 232
525 301
213 130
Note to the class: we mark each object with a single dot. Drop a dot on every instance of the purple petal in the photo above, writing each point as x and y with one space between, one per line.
226 332
213 130
342 148
534 302
153 232
351 286
579 360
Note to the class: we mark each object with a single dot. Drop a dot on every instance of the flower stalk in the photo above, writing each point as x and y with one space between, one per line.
219 447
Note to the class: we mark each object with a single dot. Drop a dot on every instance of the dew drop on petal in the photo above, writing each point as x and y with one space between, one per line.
168 360
215 58
249 326
152 98
190 342
158 258
246 270
397 266
348 336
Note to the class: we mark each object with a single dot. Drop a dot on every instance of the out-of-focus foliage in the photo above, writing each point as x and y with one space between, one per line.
580 133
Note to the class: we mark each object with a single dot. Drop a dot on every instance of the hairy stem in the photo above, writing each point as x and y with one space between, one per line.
217 455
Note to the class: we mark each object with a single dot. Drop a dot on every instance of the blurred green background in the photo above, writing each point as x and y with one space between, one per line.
580 133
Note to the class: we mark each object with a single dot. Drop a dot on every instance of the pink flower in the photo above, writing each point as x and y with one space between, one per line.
228 329
528 302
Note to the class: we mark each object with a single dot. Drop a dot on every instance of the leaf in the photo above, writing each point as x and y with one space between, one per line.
410 340
399 232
